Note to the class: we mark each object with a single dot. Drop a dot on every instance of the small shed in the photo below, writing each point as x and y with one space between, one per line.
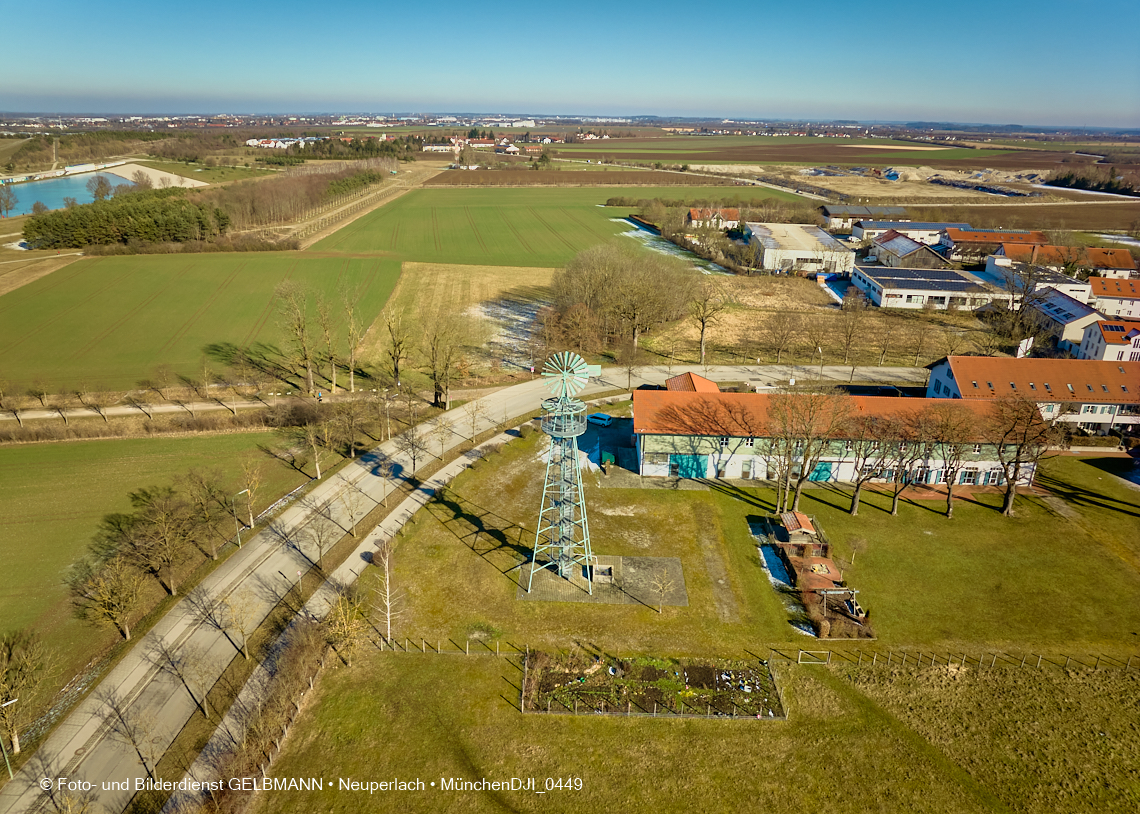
798 525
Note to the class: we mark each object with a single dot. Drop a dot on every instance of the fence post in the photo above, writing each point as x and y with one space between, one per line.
1095 666
467 647
829 657
904 660
654 709
992 663
575 706
1038 662
1067 661
1128 666
874 659
1023 661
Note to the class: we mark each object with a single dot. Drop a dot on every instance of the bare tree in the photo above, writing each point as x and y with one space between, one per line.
781 329
346 622
105 593
706 308
631 359
293 309
208 503
953 433
852 322
869 442
399 341
328 336
802 426
323 534
131 727
354 329
252 476
235 613
189 668
412 444
349 420
441 432
25 663
388 598
1020 439
157 536
662 585
354 501
441 344
886 335
475 411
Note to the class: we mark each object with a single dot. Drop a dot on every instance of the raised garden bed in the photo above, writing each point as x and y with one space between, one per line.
586 684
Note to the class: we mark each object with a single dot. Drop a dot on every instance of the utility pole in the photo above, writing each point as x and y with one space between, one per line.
2 749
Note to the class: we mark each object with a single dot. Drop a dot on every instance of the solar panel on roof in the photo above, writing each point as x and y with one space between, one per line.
1114 328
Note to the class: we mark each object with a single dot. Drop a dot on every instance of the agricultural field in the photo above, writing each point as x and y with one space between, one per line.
601 176
54 496
1037 580
210 175
8 148
937 740
108 322
781 150
1087 213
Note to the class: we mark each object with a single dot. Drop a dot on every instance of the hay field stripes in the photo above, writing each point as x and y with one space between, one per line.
57 279
259 324
475 229
514 231
129 315
202 309
68 311
551 229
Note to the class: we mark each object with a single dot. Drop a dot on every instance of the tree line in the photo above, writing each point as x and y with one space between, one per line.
134 215
1094 179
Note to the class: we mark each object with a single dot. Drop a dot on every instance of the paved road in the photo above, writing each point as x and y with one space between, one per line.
82 749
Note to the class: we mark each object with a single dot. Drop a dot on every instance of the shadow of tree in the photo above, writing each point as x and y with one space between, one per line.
484 532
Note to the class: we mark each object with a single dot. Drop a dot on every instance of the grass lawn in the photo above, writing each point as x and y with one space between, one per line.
110 321
52 497
503 227
1039 580
931 741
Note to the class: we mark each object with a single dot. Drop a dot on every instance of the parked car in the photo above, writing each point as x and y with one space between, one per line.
601 419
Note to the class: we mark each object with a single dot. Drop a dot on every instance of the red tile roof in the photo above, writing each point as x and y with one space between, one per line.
746 415
1046 379
1120 289
1003 237
691 383
1077 255
797 521
723 214
1122 332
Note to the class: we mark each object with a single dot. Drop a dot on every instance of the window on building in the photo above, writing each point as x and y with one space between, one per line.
1012 386
848 445
938 388
1032 386
990 385
975 385
969 476
1104 387
1088 408
1048 389
750 442
1089 386
724 442
1071 390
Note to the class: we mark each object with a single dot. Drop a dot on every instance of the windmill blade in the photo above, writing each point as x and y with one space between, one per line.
566 373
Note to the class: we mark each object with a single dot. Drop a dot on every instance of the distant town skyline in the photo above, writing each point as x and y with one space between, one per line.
1004 62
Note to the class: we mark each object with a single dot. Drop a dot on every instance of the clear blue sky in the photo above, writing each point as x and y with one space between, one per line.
999 61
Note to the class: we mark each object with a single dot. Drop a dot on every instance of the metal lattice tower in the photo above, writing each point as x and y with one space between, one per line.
563 535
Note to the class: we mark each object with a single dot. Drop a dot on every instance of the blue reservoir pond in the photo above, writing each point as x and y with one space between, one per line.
52 191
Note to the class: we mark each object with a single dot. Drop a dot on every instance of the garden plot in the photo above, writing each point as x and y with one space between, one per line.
583 683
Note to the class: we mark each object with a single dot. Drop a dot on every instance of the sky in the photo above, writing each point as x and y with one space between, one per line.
1050 62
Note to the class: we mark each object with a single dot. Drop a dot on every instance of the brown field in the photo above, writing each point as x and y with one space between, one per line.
16 273
1068 215
570 178
1018 161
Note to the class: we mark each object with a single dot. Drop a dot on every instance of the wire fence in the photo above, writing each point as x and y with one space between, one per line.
983 659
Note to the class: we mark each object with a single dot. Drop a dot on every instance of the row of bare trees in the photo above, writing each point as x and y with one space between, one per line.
167 529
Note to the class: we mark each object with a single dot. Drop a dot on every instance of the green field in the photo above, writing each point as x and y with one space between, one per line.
505 227
109 322
866 740
53 497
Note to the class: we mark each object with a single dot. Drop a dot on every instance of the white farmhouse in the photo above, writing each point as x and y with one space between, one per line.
800 247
